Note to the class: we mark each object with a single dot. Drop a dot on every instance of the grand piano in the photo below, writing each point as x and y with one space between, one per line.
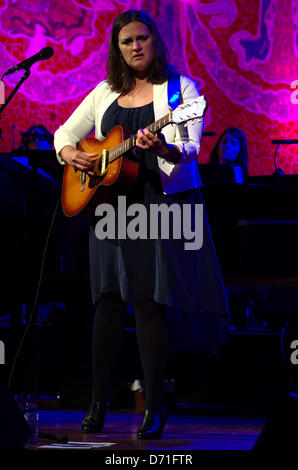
30 190
255 231
254 226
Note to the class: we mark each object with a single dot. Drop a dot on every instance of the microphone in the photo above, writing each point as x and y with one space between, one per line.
45 53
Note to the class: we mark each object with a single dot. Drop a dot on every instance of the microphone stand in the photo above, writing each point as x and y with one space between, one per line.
54 437
18 85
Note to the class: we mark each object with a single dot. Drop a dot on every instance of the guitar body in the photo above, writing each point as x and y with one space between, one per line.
119 177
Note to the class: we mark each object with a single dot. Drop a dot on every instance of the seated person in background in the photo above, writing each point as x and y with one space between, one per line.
231 148
37 137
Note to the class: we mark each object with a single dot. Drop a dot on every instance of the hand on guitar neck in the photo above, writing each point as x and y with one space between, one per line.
156 143
79 160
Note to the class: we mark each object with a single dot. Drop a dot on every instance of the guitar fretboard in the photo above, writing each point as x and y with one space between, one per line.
130 143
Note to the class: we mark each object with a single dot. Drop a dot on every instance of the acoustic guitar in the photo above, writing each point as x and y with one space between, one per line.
115 168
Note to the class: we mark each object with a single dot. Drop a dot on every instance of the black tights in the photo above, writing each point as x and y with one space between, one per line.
108 336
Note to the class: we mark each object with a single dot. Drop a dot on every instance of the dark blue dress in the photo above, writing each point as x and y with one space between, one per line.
187 282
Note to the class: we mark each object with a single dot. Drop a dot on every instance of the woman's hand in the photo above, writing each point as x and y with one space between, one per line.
157 144
80 160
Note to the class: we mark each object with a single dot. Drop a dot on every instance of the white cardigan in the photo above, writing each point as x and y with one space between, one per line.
175 178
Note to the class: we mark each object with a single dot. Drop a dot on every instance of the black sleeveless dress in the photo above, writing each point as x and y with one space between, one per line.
187 282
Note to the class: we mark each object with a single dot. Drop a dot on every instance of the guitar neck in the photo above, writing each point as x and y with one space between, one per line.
130 143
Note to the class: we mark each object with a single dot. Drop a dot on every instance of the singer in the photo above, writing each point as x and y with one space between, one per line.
178 295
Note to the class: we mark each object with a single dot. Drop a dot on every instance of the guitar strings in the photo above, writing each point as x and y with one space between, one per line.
117 151
127 144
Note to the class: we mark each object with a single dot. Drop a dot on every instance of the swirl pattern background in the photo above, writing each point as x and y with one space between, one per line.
244 56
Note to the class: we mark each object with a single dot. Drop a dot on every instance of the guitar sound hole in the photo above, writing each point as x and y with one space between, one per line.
94 181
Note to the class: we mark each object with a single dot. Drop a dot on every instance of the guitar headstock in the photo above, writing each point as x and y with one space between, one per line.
189 111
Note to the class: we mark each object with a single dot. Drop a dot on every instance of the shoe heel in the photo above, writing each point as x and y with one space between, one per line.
94 419
153 424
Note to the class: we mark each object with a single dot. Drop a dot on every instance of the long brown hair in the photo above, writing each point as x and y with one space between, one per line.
120 76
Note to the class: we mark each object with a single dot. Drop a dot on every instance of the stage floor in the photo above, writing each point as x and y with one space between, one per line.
182 432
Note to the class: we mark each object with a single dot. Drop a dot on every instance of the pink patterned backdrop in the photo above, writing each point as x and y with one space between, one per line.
244 56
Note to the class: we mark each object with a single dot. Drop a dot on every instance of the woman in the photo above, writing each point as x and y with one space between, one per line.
159 276
231 148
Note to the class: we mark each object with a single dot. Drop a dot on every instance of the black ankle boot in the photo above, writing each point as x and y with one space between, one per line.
153 424
95 417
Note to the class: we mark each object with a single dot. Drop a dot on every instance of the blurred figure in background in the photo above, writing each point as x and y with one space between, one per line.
37 137
231 148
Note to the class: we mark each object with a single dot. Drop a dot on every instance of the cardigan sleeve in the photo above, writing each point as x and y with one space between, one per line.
78 125
188 137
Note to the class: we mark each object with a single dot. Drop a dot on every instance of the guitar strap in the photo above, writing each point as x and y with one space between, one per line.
174 89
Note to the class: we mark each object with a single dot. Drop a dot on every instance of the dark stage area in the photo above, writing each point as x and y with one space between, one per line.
219 401
125 135
183 432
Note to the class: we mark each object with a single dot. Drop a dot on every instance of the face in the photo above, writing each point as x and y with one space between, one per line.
228 149
136 45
